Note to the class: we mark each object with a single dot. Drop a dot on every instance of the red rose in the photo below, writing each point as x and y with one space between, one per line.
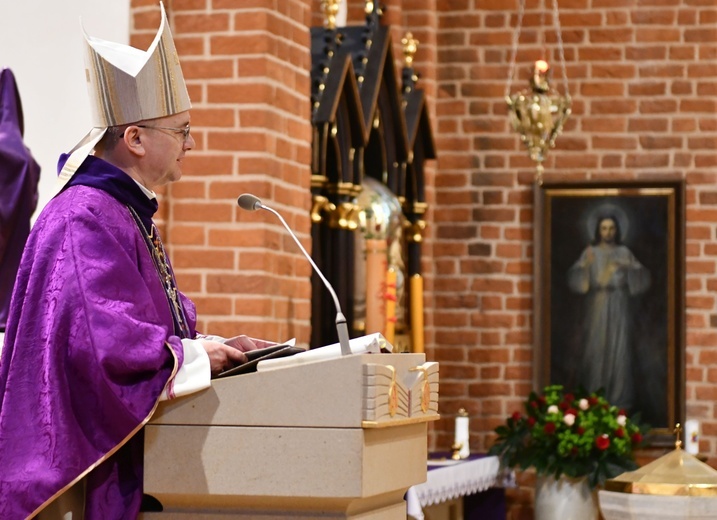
620 433
636 438
531 421
581 430
603 442
516 416
541 399
622 412
592 401
564 406
549 428
534 404
574 450
569 398
572 411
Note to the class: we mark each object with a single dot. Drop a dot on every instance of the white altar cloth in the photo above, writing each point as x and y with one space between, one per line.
449 479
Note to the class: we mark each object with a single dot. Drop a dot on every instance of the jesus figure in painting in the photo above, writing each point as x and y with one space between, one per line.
608 274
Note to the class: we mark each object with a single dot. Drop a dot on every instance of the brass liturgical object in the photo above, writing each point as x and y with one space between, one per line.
676 474
539 112
331 9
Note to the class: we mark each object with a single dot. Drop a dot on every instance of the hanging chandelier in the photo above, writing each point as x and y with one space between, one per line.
539 112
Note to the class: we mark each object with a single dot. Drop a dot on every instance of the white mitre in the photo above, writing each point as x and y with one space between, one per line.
127 85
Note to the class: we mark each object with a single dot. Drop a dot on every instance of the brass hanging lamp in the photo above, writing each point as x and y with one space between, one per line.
539 112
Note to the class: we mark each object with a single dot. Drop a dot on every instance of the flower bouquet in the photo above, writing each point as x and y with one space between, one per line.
576 435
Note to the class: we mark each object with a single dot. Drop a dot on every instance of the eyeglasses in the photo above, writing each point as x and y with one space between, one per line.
177 130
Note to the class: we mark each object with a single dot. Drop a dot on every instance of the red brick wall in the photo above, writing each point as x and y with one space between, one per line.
246 64
643 78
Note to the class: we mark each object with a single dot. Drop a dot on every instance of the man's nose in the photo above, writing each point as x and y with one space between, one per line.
189 142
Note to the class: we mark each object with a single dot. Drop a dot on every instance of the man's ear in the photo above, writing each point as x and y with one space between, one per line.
133 140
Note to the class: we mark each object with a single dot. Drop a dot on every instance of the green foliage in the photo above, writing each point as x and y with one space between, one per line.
576 435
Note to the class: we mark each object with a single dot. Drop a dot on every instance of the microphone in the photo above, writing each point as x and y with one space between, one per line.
250 202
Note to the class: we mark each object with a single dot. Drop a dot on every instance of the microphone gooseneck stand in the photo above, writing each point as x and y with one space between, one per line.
250 202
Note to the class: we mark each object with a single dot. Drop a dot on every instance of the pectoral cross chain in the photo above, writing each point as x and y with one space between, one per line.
170 287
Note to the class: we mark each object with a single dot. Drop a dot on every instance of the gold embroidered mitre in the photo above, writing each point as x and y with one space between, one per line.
127 85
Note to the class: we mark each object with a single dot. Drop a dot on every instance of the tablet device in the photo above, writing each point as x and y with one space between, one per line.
260 354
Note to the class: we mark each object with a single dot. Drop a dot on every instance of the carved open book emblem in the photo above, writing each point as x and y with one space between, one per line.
392 392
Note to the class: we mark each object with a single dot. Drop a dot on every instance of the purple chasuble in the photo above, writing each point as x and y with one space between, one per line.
89 347
19 175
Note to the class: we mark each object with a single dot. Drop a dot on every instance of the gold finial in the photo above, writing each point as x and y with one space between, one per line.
368 9
678 434
410 46
331 9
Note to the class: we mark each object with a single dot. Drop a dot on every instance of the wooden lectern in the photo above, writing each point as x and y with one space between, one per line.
338 438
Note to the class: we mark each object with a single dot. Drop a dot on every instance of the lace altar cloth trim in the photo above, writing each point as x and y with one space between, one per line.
456 479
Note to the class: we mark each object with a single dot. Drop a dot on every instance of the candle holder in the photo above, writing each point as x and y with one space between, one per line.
456 450
538 114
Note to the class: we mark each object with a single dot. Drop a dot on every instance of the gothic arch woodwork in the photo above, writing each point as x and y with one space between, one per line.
364 126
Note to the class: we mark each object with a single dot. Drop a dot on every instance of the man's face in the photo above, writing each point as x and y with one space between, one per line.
165 146
607 230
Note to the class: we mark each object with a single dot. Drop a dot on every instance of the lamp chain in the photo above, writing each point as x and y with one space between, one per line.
541 33
556 22
516 43
514 50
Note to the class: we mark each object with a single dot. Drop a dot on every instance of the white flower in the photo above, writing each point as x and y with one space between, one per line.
621 420
553 408
569 419
584 404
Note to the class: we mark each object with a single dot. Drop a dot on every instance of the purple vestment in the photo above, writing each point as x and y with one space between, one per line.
19 175
90 346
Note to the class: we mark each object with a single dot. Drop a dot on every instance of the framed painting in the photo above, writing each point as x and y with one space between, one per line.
609 305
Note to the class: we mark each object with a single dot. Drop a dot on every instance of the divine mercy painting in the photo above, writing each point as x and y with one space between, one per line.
609 271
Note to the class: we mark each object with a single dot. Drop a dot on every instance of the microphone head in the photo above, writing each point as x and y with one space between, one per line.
249 202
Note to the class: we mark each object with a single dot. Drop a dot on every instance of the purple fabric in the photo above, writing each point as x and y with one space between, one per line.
88 350
19 175
483 505
486 505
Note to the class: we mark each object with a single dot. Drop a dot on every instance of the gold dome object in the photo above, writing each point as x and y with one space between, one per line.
380 214
677 474
677 486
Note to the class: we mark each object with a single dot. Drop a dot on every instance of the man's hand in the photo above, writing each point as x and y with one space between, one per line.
245 343
221 356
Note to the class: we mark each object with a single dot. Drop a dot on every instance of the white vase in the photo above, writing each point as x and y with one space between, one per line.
564 499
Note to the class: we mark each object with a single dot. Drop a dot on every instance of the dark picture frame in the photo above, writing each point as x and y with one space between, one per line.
611 315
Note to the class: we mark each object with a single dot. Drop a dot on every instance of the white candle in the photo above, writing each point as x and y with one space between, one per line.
692 436
462 433
341 15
